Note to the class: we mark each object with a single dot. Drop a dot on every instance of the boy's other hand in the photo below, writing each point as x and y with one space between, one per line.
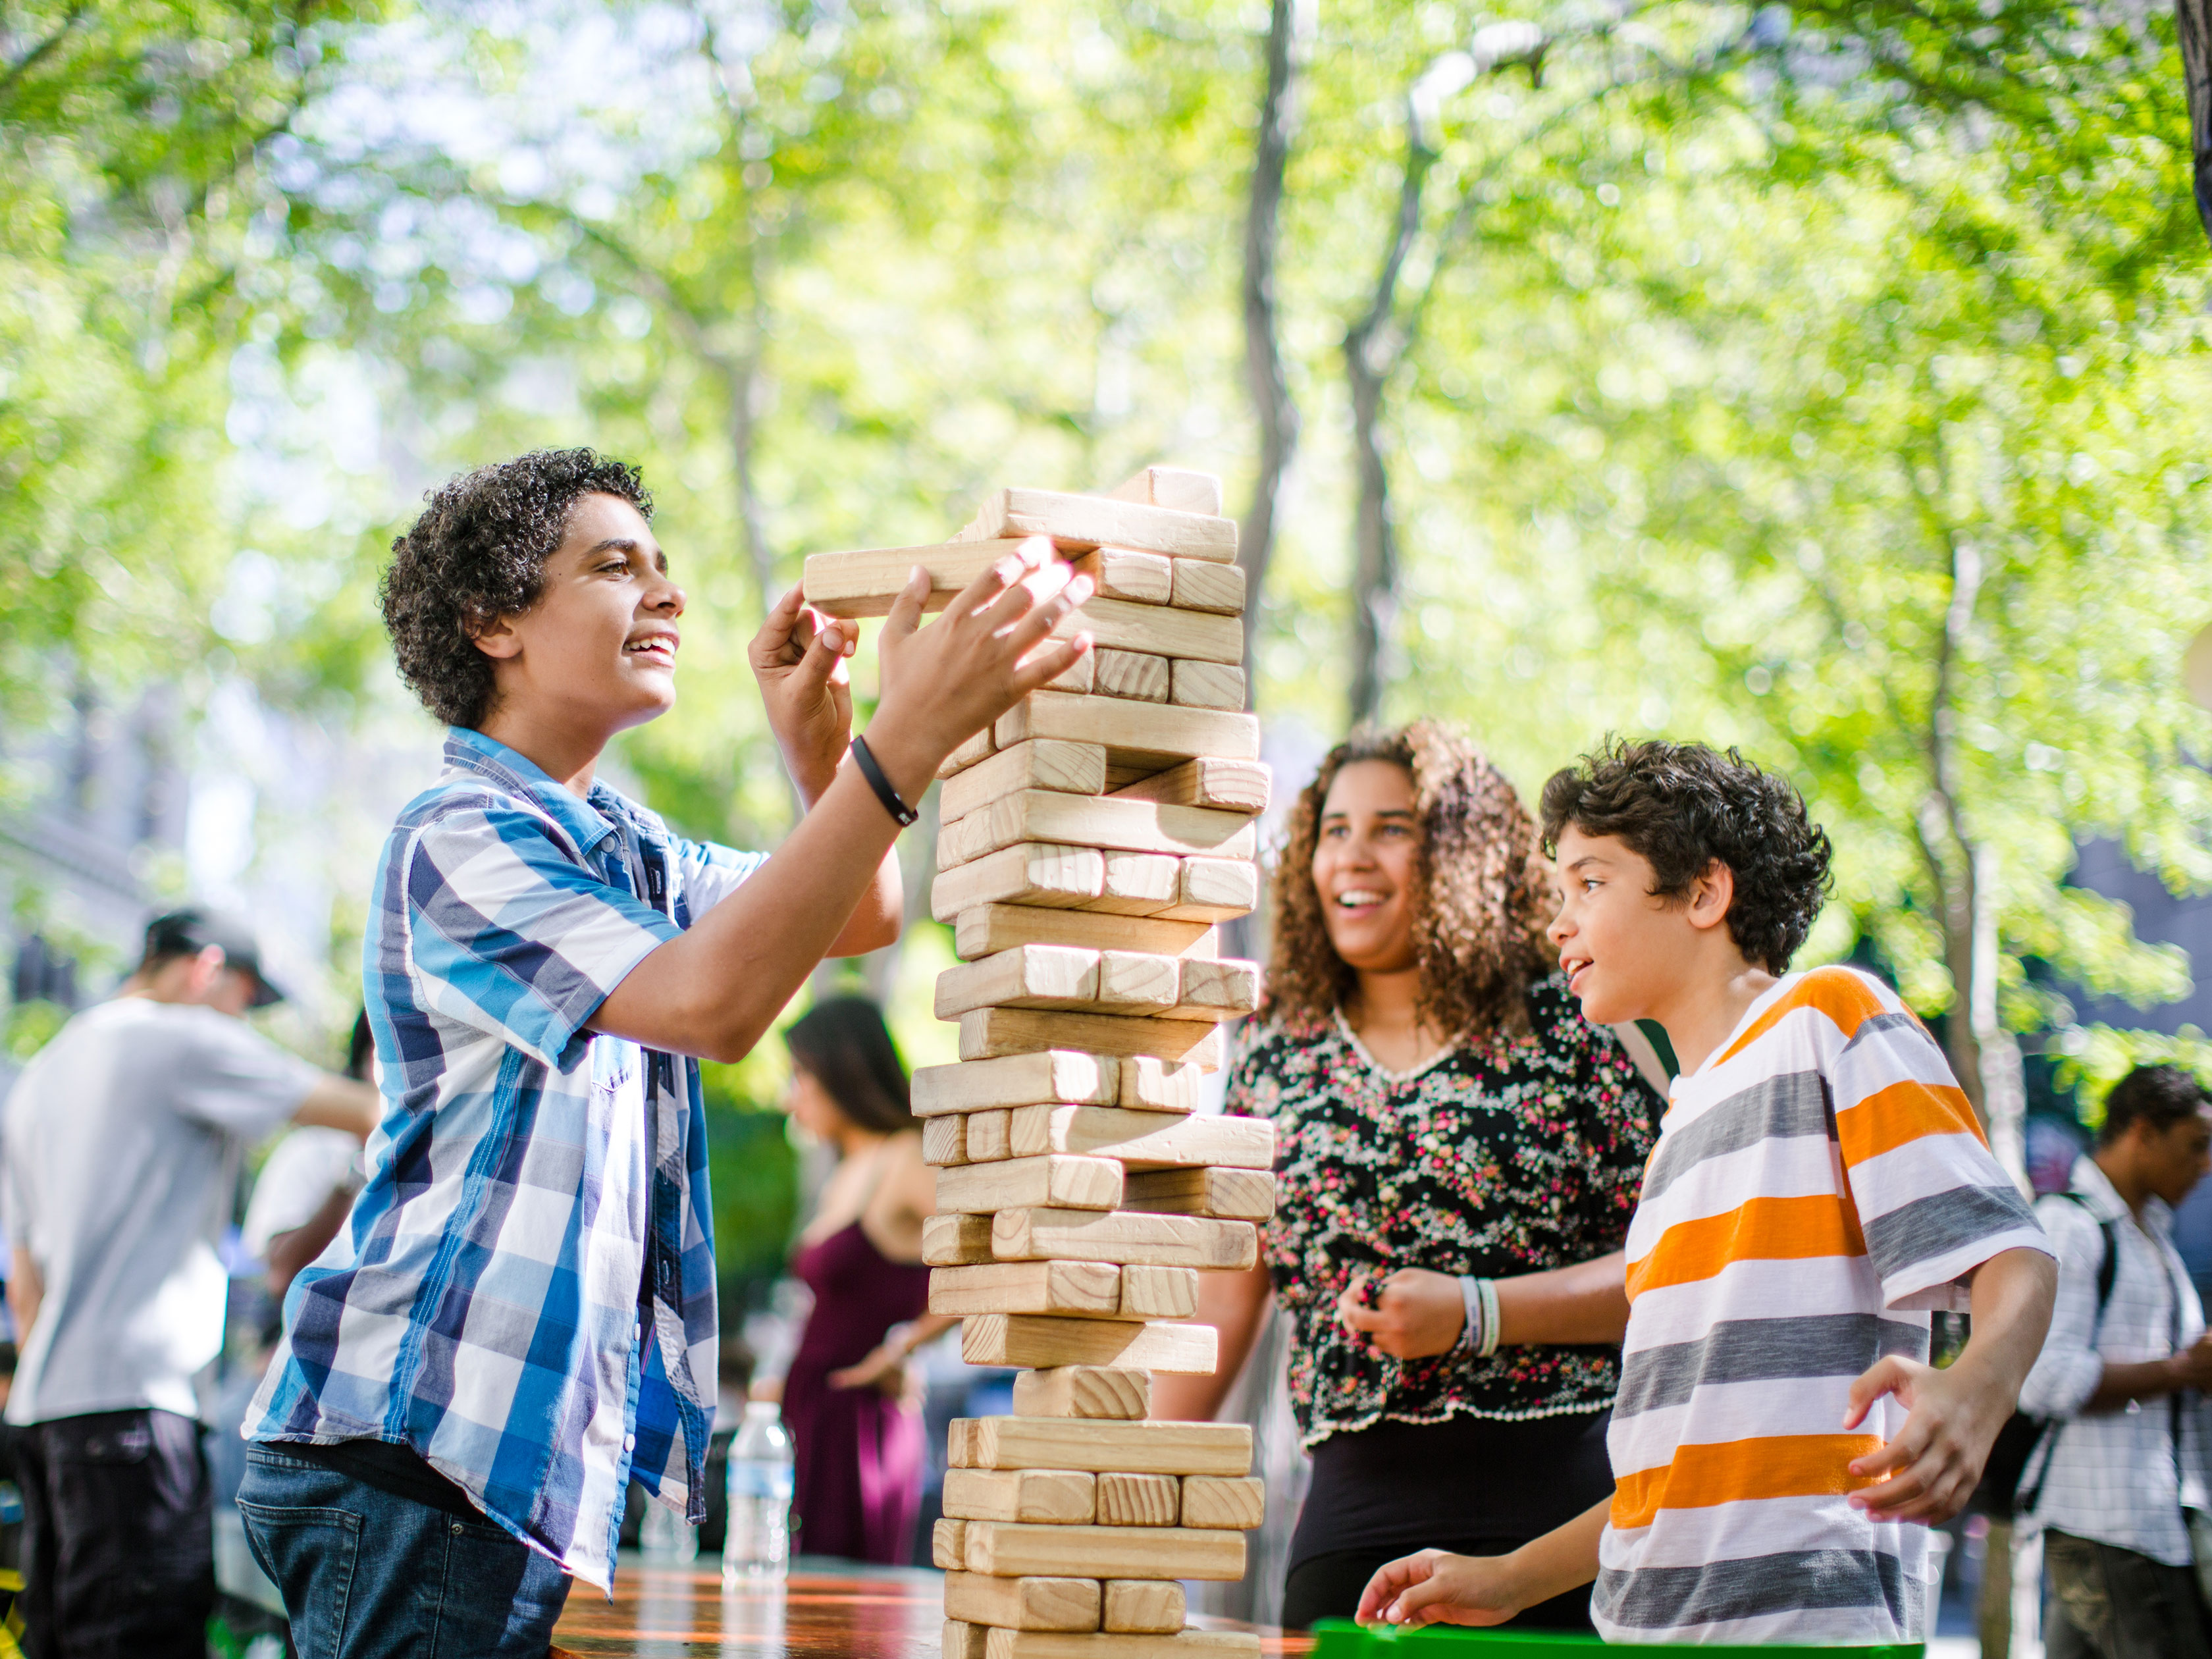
1932 1466
799 658
1415 1313
1433 1588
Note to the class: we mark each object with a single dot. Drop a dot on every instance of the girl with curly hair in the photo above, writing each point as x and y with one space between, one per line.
1458 1153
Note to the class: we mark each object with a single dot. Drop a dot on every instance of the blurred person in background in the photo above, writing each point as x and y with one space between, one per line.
1457 1156
120 1145
2125 1464
855 1436
307 1185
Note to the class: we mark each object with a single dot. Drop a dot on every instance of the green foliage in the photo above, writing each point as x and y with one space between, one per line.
755 1174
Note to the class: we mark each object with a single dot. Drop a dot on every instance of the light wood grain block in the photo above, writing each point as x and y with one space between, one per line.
1237 1502
1139 1500
1137 884
1166 1241
1143 1139
1233 1194
1056 1443
1049 1497
948 1545
961 840
1154 1085
865 582
1212 889
1027 976
1207 585
1047 877
1012 1604
1093 1392
1082 522
977 745
1207 685
1122 573
1138 983
1131 674
1056 1180
1077 769
1009 1549
1185 635
1153 1607
1234 786
1131 734
1049 817
1023 1080
1172 486
990 1133
945 1139
1083 1290
1226 989
959 1640
989 928
990 1033
1079 676
1040 1340
1187 1644
953 1241
1149 1292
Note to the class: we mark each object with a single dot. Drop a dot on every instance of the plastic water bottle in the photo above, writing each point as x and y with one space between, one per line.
758 1546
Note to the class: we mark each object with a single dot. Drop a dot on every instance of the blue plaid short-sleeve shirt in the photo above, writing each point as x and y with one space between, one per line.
537 1206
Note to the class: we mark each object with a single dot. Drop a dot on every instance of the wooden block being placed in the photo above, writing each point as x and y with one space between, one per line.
989 928
1206 585
953 1241
1137 884
1052 1497
1044 876
1133 733
1234 1195
1023 1080
1008 1549
1030 1339
1238 1502
973 749
960 1640
1134 826
1086 521
1121 573
864 583
945 1139
1151 1293
989 1033
990 1133
1093 1392
1207 685
1217 990
1151 1085
1055 1181
1138 983
1077 769
1082 1290
1142 1140
1011 1604
1234 786
1213 890
1131 674
1172 486
948 1545
1153 1607
1027 976
1167 1241
1097 1644
1139 1500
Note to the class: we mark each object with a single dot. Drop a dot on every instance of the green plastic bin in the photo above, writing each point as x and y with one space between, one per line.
1340 1639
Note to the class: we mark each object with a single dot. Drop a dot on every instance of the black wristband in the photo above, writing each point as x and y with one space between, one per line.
866 761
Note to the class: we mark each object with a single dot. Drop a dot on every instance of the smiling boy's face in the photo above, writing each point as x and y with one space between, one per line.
600 643
1622 947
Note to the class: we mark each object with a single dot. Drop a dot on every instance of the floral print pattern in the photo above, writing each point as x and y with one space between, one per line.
1509 1153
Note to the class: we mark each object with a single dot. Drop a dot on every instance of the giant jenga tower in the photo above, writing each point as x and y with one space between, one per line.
1090 840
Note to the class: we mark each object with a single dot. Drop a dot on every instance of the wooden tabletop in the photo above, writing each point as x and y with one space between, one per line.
830 1609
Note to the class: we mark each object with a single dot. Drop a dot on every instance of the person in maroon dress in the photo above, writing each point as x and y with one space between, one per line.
856 1438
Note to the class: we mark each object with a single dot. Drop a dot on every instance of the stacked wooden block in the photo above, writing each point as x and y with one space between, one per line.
1090 840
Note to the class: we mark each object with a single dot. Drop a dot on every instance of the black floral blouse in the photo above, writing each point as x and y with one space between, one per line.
1507 1155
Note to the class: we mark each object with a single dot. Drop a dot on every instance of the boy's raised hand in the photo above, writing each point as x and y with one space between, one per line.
799 658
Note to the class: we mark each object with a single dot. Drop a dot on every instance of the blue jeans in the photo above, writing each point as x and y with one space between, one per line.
365 1573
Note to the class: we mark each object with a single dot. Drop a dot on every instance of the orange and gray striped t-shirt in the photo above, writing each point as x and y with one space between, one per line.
1820 1186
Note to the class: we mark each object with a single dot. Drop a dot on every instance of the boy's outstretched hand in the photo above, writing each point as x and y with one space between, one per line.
1433 1588
798 656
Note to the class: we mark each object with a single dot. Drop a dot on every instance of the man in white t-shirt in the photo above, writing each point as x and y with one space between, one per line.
119 1150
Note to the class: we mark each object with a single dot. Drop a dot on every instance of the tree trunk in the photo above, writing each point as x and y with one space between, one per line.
2195 18
1264 374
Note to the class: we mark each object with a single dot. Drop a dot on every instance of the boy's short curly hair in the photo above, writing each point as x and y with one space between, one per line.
478 553
1681 805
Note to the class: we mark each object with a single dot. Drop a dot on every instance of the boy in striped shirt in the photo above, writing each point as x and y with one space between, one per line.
1780 1443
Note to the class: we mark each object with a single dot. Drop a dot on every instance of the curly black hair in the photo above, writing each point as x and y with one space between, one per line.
478 553
2161 1096
1681 805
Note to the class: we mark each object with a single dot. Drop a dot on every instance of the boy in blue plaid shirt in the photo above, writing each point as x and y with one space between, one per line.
518 1318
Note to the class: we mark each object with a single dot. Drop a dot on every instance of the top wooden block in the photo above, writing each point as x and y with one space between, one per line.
1172 486
864 582
1089 521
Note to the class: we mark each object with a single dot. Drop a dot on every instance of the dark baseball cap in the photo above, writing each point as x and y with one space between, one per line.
188 932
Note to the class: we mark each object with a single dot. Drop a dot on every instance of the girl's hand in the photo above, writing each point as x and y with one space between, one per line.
1413 1313
883 1368
798 656
1432 1588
